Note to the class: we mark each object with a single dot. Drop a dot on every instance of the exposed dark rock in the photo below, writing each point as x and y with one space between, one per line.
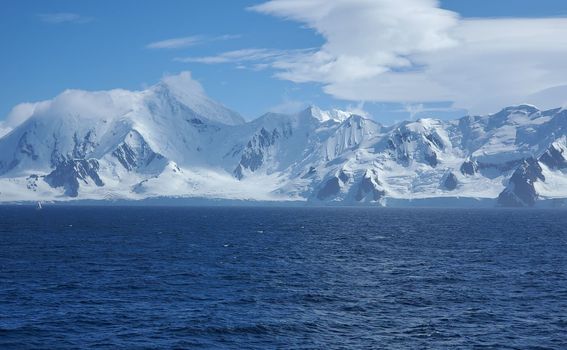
139 187
435 140
343 176
200 125
469 167
370 184
331 188
252 159
309 173
25 147
399 145
32 182
69 172
238 172
82 147
56 155
520 191
135 153
431 159
450 183
354 121
554 158
254 153
253 156
396 144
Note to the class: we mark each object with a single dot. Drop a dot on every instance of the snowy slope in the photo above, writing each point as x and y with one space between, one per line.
172 140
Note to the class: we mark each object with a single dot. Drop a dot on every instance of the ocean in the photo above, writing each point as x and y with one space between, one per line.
282 278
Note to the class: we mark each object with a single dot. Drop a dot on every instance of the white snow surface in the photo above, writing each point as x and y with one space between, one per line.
171 140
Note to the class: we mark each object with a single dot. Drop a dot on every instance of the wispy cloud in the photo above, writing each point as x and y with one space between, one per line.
178 43
364 38
64 17
18 115
358 109
288 106
418 110
252 58
175 43
236 56
413 51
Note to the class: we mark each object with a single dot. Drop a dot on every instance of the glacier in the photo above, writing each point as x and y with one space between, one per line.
172 141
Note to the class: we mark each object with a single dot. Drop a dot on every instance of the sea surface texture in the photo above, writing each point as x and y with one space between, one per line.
282 278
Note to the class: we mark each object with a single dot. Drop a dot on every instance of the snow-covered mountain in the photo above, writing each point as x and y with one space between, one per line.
171 140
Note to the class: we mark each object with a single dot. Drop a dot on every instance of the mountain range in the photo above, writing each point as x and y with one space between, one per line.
172 141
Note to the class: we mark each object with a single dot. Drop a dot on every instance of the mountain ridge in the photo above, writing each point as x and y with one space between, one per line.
171 140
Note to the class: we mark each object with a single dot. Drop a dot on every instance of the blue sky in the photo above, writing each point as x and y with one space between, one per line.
50 46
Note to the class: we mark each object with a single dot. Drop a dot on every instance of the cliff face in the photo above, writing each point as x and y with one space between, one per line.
168 141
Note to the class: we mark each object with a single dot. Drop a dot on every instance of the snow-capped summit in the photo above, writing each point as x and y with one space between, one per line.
333 114
171 140
182 89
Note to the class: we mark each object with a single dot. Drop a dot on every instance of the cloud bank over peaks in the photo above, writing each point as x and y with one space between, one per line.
364 38
413 51
19 114
183 83
105 104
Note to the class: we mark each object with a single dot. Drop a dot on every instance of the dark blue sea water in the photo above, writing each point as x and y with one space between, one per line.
304 278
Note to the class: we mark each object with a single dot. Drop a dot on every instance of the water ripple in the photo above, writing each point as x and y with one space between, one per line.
258 278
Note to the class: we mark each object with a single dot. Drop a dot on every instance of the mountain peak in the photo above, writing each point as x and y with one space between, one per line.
184 89
323 116
181 84
173 140
526 108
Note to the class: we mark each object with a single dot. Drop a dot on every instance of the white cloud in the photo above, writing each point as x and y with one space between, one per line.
64 17
364 38
175 43
417 110
183 82
289 106
178 43
260 58
103 104
497 63
18 115
412 52
4 130
357 109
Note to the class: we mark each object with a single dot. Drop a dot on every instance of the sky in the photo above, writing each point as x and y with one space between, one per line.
391 60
